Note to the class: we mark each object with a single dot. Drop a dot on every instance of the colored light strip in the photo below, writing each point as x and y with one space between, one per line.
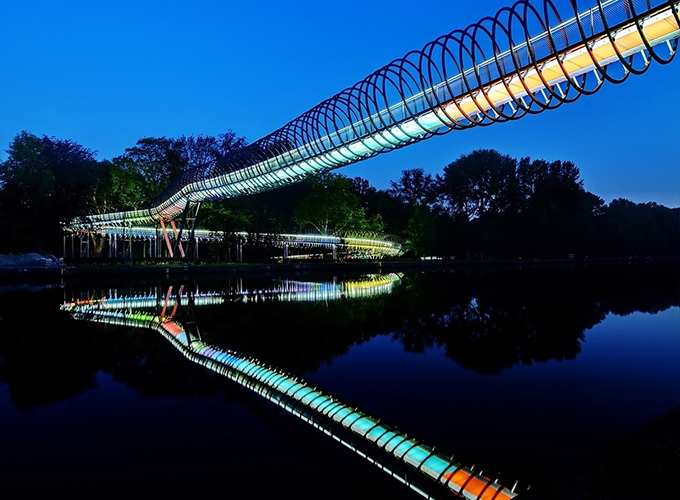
372 246
301 399
357 142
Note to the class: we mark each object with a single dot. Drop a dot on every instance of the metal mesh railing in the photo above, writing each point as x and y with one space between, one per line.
526 59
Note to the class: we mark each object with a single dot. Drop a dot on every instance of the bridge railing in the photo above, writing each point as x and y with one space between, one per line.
528 58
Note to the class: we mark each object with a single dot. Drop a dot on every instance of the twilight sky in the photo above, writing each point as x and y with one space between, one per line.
106 74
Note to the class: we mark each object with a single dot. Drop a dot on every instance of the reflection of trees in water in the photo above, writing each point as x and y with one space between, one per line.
38 367
494 329
487 339
46 357
296 337
489 333
56 359
491 320
485 320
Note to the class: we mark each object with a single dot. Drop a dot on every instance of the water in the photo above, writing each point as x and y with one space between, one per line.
523 372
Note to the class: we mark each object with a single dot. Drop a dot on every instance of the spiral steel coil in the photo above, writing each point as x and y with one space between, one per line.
526 59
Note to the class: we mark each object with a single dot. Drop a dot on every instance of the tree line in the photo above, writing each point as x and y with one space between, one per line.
483 205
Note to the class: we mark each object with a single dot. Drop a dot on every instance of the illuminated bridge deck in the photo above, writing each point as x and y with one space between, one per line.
367 245
494 71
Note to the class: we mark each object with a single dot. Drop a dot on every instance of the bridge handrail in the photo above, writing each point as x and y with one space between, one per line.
292 153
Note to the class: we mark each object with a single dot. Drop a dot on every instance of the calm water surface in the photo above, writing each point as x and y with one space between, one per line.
523 372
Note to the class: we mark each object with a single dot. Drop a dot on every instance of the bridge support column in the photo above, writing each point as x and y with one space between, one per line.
239 251
167 239
178 238
84 245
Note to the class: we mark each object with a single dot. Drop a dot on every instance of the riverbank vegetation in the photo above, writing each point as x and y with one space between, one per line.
483 205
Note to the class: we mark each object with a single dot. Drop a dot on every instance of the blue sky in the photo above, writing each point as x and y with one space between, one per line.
105 74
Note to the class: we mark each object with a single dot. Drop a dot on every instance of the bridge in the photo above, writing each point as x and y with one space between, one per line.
407 459
364 244
528 58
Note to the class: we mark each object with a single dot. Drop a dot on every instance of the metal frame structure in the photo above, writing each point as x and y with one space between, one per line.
162 243
527 59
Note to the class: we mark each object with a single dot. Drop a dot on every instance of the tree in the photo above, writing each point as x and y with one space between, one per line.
386 212
420 231
44 183
83 185
129 189
559 215
205 152
631 229
416 191
27 184
157 166
414 188
502 206
481 182
147 168
332 206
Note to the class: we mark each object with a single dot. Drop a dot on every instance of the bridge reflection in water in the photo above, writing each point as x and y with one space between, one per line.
381 444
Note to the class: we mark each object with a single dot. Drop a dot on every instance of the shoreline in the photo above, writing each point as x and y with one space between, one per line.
90 272
192 269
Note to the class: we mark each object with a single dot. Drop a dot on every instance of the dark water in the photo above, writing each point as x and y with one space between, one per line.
523 372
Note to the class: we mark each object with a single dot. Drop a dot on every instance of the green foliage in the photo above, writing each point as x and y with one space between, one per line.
156 165
483 205
511 208
150 165
482 182
415 187
44 182
129 188
639 229
332 206
420 231
26 180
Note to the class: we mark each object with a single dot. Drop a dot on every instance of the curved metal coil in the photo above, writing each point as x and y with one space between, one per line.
526 59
